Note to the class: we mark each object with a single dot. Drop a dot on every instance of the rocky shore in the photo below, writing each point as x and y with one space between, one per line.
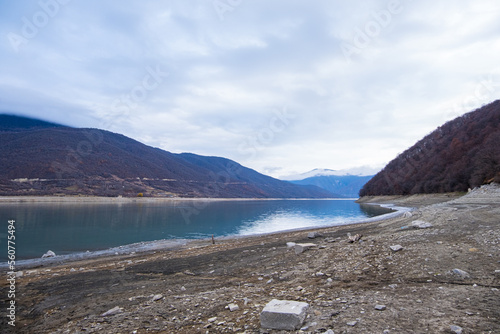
435 269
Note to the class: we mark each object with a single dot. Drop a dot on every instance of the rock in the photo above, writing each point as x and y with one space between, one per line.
301 248
329 332
290 244
313 235
352 323
183 288
48 254
407 214
459 273
396 248
456 329
380 307
214 319
233 307
19 273
354 238
113 311
283 314
157 297
420 224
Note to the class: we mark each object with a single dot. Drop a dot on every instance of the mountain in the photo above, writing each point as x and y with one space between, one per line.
343 183
39 158
461 154
356 171
18 123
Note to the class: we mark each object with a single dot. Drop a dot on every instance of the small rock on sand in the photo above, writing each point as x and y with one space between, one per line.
113 311
396 248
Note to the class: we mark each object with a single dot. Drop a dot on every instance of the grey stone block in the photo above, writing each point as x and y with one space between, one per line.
283 315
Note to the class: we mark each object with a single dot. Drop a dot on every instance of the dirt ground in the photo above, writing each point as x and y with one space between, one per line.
188 290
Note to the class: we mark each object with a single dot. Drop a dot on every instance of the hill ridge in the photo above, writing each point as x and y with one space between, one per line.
460 154
83 161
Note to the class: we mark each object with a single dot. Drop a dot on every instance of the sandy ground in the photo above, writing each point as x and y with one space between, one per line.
188 290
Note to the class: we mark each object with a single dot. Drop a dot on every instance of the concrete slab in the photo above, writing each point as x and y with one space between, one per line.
283 314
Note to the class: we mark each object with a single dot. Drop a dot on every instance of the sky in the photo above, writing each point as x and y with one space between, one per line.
281 86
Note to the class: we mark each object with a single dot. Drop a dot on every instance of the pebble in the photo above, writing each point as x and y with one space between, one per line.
233 307
456 329
313 235
352 323
380 307
460 273
421 224
157 297
113 311
396 248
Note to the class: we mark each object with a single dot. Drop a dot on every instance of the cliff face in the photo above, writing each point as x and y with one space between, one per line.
461 154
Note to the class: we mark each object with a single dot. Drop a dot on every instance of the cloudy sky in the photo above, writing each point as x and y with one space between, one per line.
280 86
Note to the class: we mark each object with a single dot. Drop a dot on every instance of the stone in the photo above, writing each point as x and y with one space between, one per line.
283 314
456 329
157 297
233 307
421 224
354 238
313 235
301 248
48 254
396 248
460 273
290 244
352 323
380 307
113 311
329 332
407 214
210 320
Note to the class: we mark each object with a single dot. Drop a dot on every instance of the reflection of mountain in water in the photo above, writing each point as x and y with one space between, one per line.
374 210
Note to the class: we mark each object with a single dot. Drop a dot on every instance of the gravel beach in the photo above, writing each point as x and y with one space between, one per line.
434 269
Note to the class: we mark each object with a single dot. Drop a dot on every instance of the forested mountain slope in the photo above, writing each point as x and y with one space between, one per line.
461 154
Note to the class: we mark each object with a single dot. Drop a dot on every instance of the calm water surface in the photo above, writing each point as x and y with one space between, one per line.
67 228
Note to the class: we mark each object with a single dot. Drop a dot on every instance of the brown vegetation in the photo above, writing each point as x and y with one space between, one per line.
461 154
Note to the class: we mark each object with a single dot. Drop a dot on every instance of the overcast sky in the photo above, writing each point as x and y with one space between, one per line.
280 86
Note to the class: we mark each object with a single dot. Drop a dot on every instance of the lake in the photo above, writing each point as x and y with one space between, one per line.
68 227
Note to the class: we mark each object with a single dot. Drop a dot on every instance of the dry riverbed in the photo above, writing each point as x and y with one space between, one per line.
445 279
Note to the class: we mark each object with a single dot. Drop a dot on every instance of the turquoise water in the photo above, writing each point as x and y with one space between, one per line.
67 228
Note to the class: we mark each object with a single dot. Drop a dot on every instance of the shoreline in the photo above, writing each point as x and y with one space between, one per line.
441 276
173 244
107 200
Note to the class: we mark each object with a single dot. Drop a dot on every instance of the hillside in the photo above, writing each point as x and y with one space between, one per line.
461 154
17 123
69 161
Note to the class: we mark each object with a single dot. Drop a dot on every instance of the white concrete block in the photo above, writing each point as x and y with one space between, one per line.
283 314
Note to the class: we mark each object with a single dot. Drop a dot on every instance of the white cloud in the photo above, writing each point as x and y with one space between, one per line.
229 73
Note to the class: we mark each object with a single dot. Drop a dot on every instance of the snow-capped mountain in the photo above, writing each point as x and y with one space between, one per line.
356 171
344 182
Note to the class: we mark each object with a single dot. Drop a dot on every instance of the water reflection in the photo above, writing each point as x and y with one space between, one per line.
69 227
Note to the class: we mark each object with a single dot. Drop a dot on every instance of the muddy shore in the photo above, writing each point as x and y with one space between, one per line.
446 277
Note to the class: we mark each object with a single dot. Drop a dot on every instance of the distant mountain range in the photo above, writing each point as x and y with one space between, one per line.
343 183
41 158
461 154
